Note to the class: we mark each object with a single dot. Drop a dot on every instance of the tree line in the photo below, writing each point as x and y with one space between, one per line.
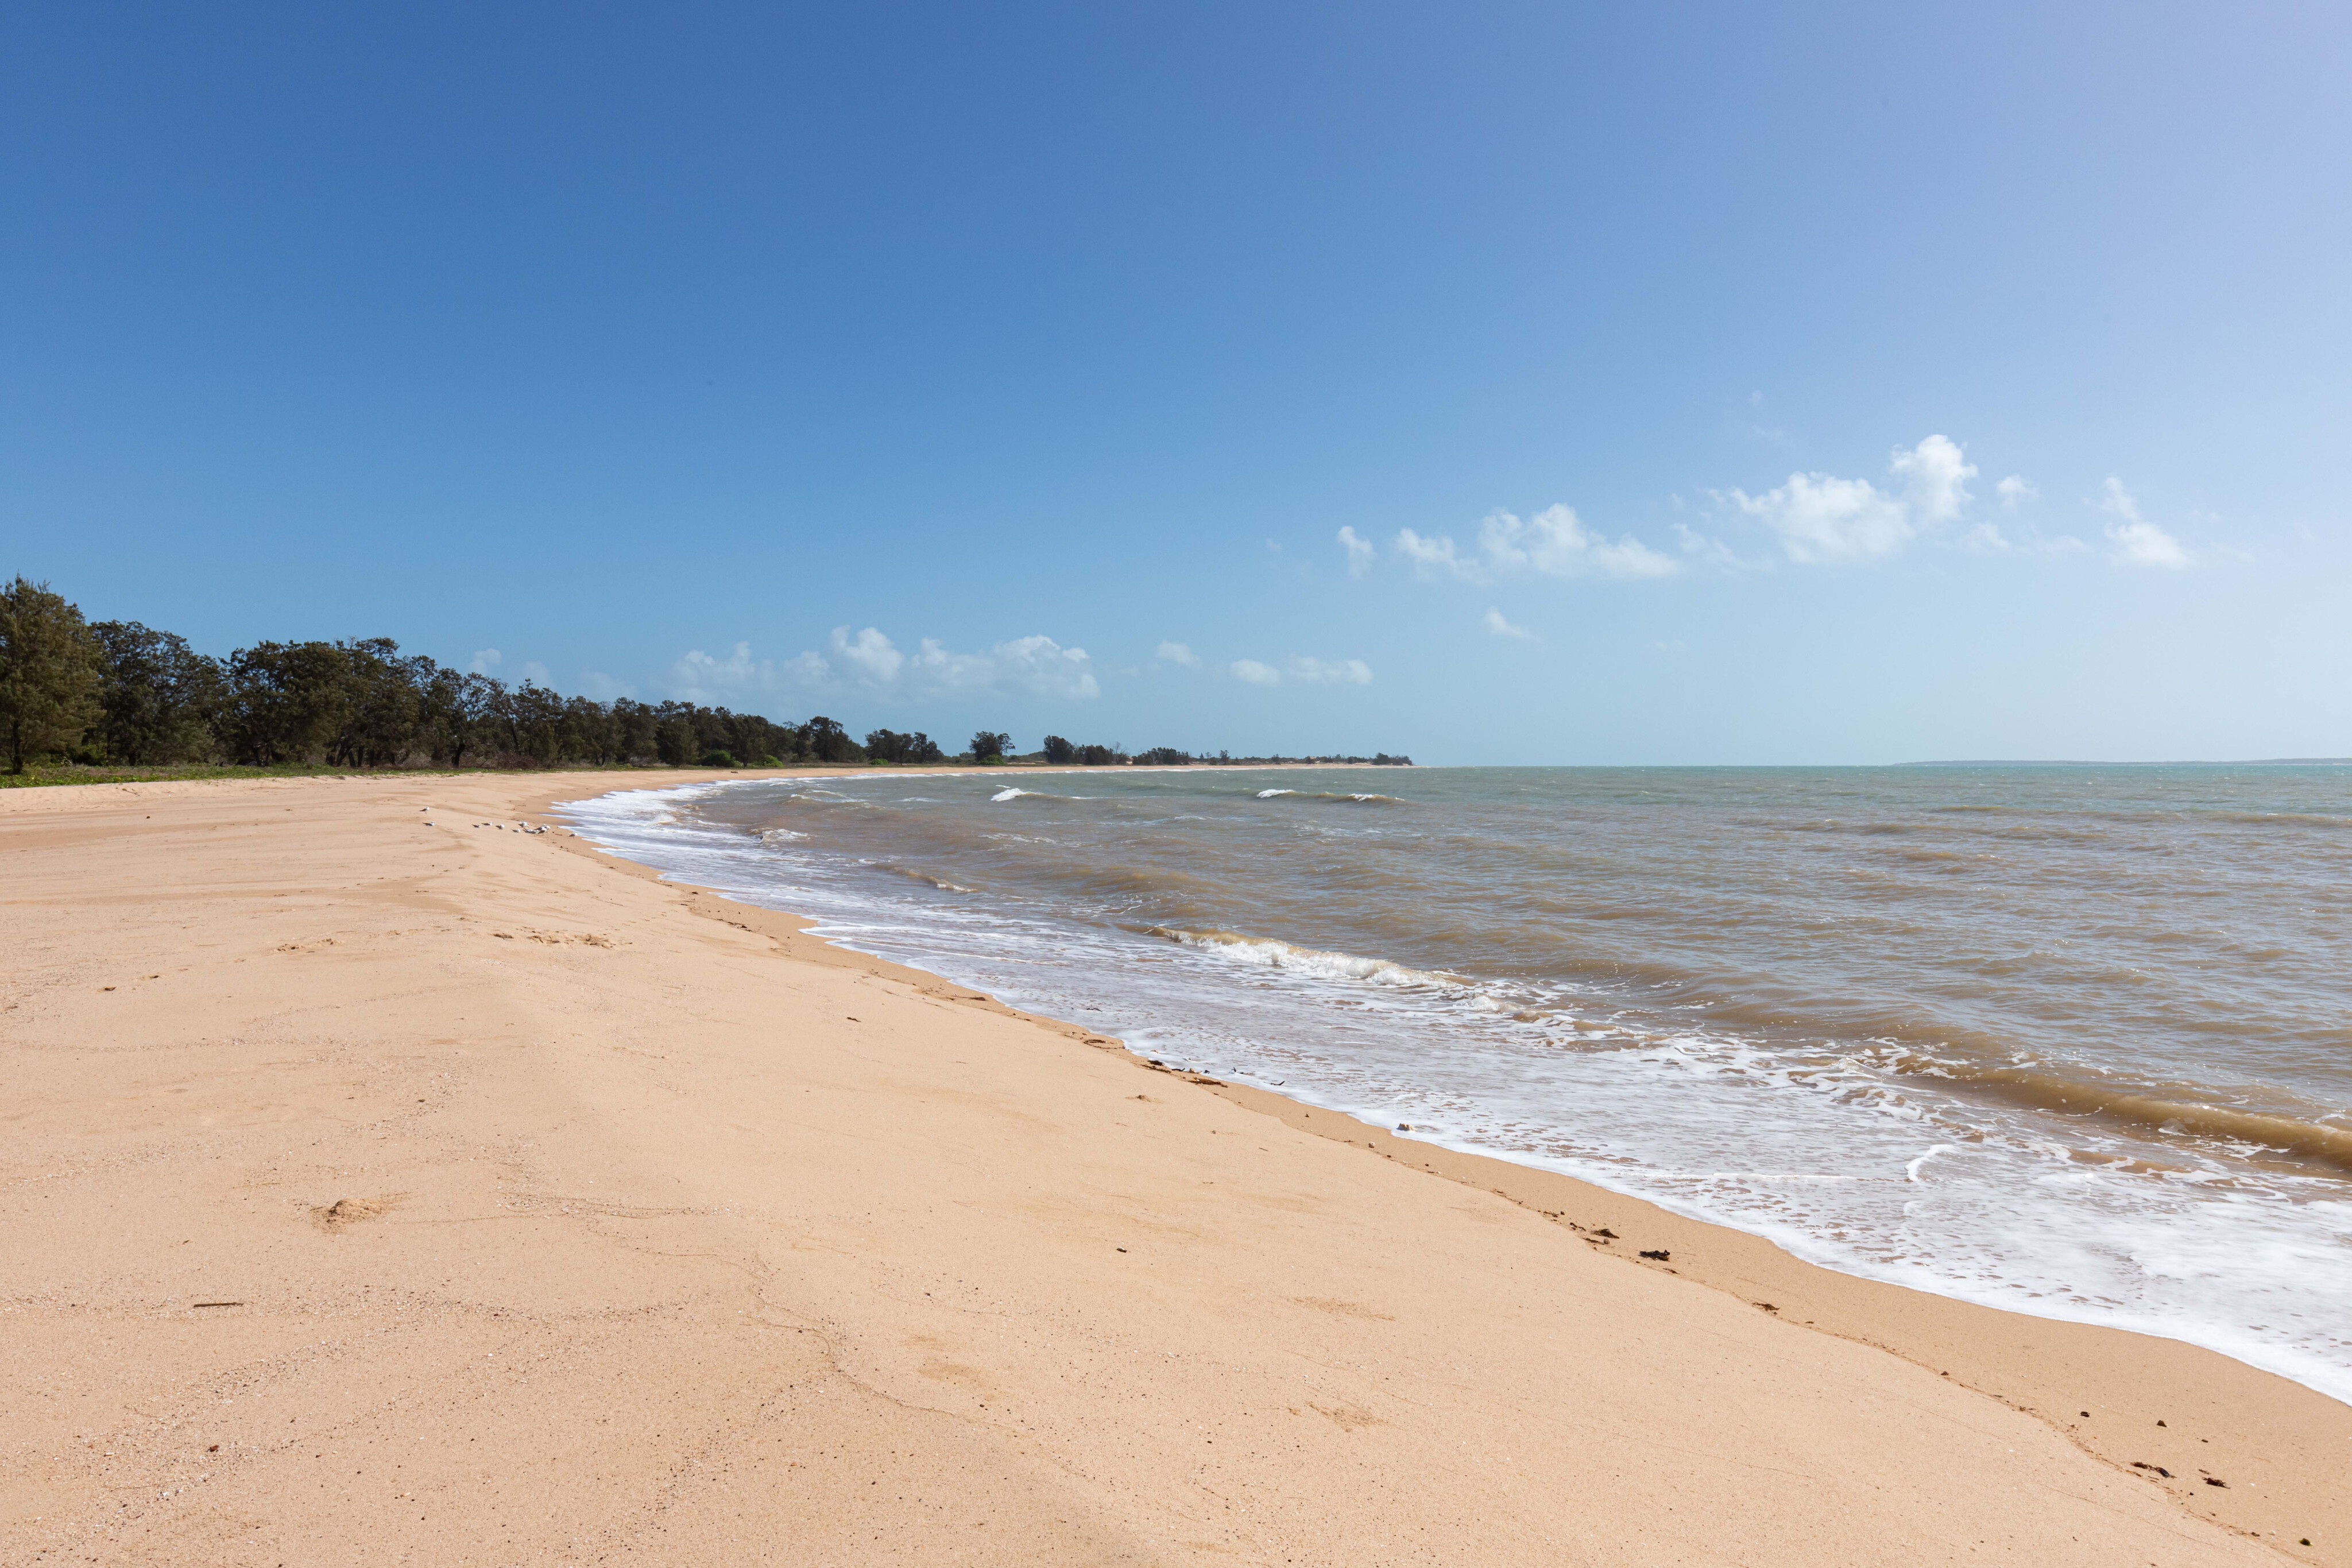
116 692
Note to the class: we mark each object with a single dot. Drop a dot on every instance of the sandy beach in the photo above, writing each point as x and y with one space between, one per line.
384 1187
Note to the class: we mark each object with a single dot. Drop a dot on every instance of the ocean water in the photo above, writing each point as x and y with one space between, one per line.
2071 1041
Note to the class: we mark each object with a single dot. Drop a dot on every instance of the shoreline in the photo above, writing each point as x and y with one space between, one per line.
2157 1405
610 1212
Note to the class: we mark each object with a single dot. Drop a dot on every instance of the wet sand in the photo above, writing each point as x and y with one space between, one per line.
379 1191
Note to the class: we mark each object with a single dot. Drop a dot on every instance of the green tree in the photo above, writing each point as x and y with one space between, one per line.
674 740
534 723
287 701
455 713
48 672
889 746
382 714
137 695
588 732
825 740
156 696
752 739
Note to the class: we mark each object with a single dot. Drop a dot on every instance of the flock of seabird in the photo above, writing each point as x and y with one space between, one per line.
518 827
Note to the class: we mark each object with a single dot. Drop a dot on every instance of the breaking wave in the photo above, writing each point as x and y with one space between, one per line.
2077 1042
1352 797
1265 953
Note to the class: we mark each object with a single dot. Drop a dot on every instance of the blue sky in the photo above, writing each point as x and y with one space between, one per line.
1694 383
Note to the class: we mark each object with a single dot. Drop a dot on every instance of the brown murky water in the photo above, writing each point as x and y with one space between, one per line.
2075 1040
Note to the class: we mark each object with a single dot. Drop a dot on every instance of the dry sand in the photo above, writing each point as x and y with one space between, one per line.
378 1192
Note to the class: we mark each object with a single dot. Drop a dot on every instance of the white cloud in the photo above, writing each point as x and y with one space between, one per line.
1431 555
1935 478
2016 490
536 673
870 653
1037 665
942 669
1177 653
485 660
1360 551
1502 628
604 687
1553 542
1315 672
1702 548
1822 519
700 678
2137 541
1332 671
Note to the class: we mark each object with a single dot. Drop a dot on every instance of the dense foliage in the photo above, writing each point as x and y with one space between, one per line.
116 691
49 672
889 746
